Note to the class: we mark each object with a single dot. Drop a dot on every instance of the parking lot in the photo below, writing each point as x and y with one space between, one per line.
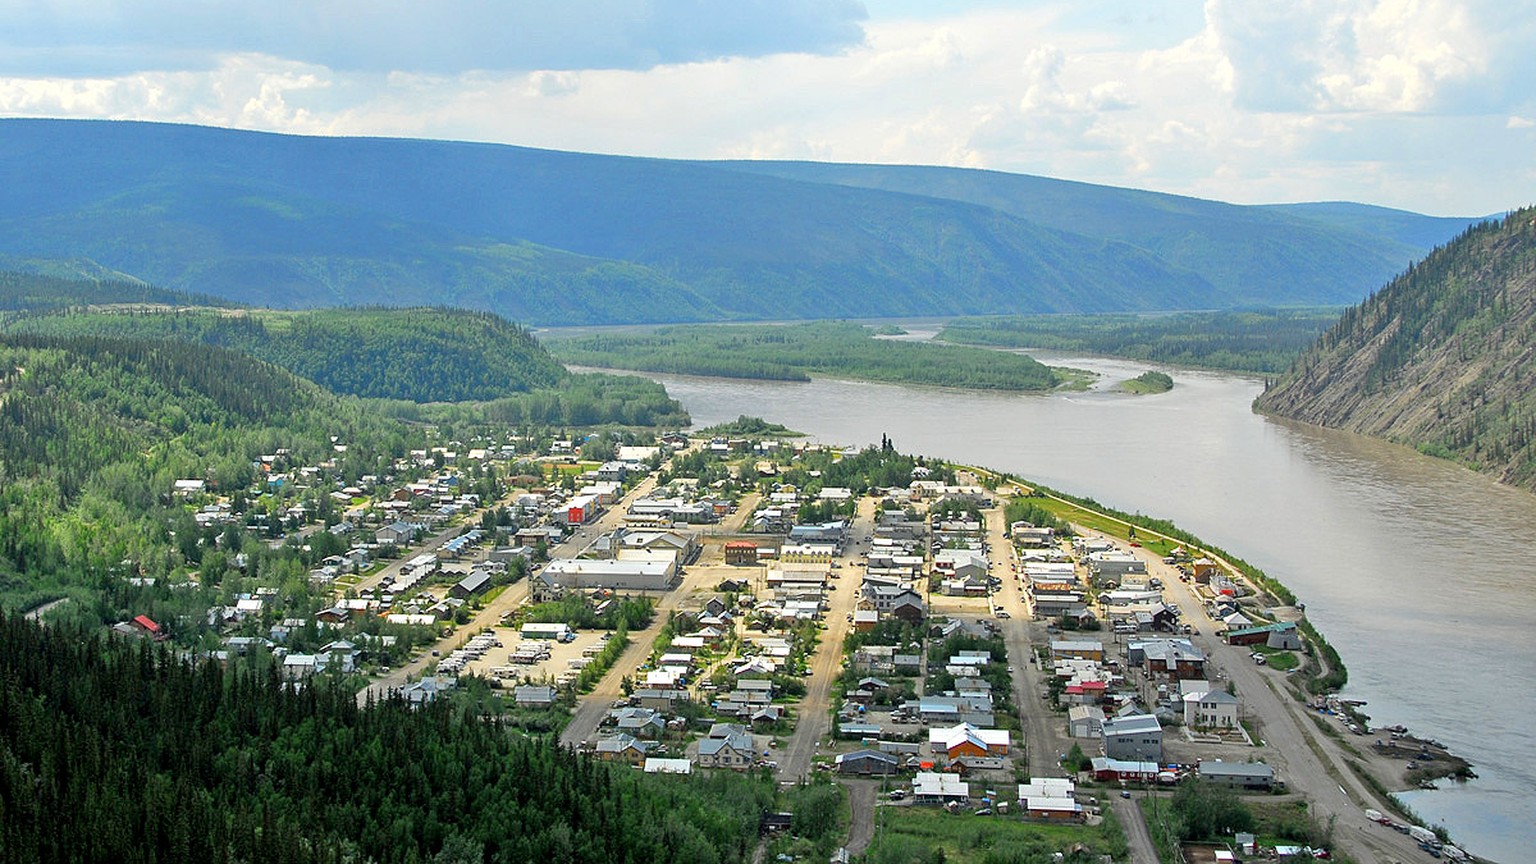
493 657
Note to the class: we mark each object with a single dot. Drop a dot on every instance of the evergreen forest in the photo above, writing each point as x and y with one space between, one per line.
119 750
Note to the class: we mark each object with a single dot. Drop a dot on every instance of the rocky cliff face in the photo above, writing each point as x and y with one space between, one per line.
1443 358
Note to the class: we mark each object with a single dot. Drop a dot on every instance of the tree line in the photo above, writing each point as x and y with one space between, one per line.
113 749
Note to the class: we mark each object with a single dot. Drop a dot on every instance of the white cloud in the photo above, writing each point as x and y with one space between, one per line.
1416 104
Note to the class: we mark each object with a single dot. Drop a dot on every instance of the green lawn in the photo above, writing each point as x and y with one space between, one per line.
912 834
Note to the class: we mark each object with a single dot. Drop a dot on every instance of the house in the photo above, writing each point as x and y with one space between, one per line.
867 762
534 695
640 722
931 787
622 748
143 625
1214 709
734 749
908 609
1239 775
1137 737
1171 659
1050 798
864 620
1085 721
427 689
395 534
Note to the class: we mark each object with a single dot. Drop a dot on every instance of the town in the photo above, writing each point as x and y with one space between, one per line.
949 643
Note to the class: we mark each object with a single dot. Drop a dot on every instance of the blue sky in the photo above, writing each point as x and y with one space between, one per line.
1426 105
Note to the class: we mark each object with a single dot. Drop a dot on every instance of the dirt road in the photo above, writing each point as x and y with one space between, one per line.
1043 738
1136 834
813 722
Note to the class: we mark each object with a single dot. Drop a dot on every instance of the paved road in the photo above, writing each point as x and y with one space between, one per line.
813 722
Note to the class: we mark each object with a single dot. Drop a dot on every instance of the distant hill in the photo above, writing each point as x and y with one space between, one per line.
1440 359
1301 254
564 238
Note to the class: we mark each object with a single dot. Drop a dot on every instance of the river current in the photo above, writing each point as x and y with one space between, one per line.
1421 573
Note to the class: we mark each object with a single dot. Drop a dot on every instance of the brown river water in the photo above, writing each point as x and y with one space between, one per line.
1421 573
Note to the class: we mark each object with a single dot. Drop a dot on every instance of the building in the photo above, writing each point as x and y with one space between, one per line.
1050 798
1171 659
534 695
932 787
1077 649
733 748
658 765
967 740
1107 770
616 575
1282 635
1239 775
581 509
867 762
741 553
1136 737
537 630
473 585
622 748
1085 721
1214 709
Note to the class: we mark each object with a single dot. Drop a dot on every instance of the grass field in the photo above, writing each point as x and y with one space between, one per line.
912 834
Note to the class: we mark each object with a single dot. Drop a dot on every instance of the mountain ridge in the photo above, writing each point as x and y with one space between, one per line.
552 237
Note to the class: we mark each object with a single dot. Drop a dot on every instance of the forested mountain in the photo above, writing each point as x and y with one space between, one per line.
563 238
1287 254
120 751
420 355
1441 358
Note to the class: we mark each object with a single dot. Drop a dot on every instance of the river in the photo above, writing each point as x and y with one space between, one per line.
1421 573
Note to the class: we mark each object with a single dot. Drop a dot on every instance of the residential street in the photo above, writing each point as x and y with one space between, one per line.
813 722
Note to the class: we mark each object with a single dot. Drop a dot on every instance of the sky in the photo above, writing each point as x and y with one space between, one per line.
1426 105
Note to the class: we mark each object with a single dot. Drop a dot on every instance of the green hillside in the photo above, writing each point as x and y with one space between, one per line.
420 355
1438 359
94 431
557 238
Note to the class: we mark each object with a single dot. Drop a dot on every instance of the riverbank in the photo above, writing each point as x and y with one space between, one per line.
1394 763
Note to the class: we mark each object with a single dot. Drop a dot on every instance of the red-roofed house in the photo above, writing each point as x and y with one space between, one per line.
1084 693
145 625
